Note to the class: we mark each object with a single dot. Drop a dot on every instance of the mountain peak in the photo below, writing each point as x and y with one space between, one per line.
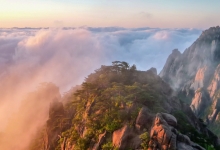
176 52
212 32
154 70
195 75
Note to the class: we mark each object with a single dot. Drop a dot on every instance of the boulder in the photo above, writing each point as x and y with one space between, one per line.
161 135
170 119
183 139
184 146
164 136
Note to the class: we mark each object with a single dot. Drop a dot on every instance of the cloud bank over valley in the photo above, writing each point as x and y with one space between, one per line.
65 57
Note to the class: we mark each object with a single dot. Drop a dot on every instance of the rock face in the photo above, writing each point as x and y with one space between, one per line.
169 72
100 142
154 70
215 83
164 135
125 138
143 119
199 101
195 74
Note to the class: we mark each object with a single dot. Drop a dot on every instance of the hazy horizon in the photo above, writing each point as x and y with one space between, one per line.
96 13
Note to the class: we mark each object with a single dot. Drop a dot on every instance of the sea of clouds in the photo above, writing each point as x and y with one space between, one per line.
65 56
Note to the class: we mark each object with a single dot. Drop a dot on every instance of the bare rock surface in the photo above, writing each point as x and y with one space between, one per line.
196 73
143 119
164 136
125 138
198 101
154 70
170 119
101 139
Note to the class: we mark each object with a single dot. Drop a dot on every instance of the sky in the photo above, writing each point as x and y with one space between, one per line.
101 13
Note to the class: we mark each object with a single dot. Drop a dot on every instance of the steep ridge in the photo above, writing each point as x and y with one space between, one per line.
115 108
194 75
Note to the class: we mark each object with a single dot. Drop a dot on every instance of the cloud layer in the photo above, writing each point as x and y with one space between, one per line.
58 55
66 56
146 47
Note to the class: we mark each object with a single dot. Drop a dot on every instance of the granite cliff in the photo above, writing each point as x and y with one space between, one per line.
194 75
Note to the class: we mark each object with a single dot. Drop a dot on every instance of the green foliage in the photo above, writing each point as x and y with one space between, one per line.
186 128
110 98
145 138
108 146
186 97
113 125
214 127
207 111
183 124
210 147
82 143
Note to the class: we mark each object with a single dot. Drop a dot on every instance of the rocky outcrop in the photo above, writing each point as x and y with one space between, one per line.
194 61
199 79
125 138
169 72
199 101
143 119
67 144
102 137
195 74
170 119
215 83
154 70
161 135
164 136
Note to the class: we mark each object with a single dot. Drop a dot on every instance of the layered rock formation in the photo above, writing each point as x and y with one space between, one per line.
194 74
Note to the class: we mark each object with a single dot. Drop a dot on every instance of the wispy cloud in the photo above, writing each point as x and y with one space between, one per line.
145 15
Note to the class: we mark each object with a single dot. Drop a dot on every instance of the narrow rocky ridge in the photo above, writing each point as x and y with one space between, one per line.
119 107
